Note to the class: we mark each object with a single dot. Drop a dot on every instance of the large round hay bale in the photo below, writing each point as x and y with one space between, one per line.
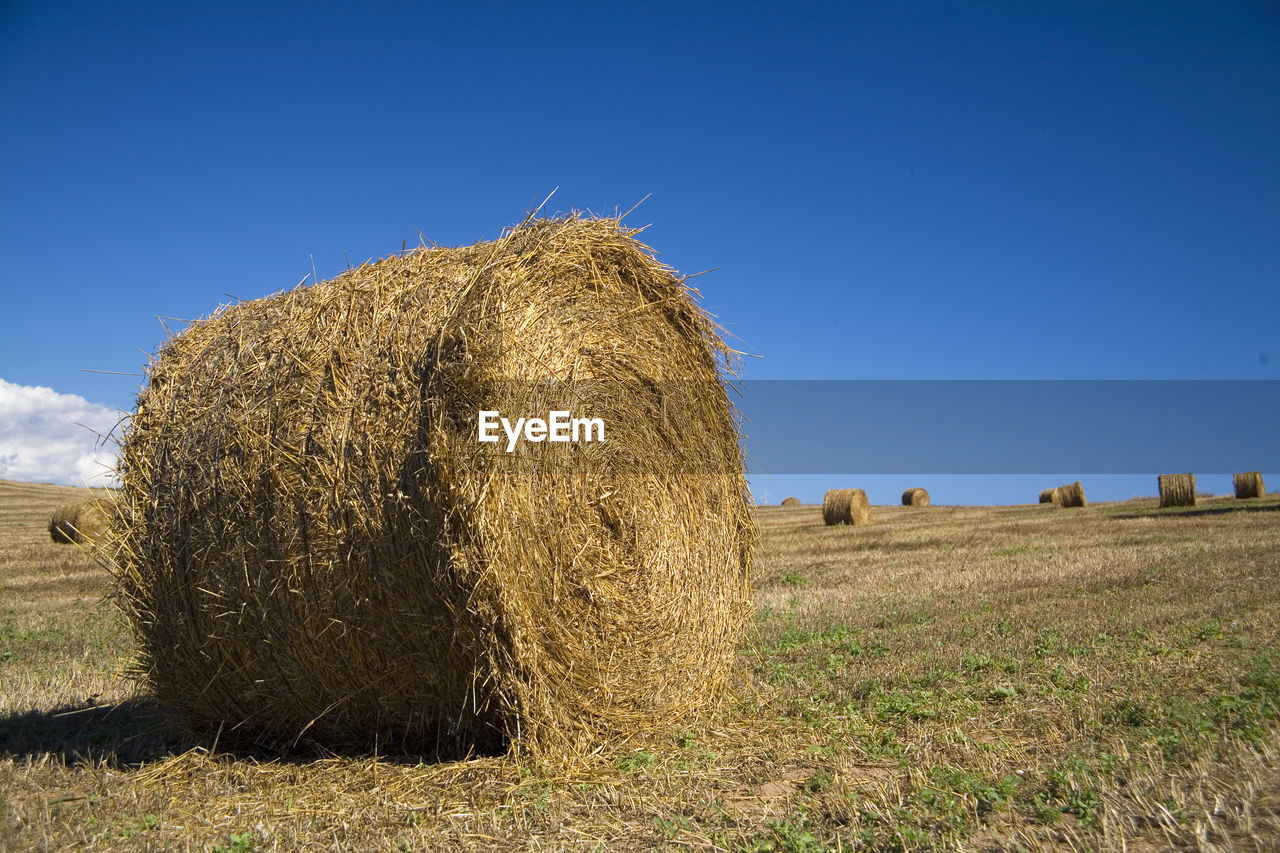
1248 484
318 546
915 497
791 502
846 506
1071 494
1177 489
82 520
1048 496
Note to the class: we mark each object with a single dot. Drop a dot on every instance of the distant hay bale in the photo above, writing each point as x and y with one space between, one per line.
1249 485
1048 496
915 497
62 527
791 502
318 546
94 519
846 506
82 520
1177 489
1071 494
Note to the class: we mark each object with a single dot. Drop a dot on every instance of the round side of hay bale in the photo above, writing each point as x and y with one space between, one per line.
915 497
1248 484
1048 496
1071 495
318 546
846 506
1177 489
791 502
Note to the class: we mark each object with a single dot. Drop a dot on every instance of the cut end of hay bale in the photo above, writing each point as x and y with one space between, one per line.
791 502
319 546
79 521
1248 484
1177 489
915 497
1070 495
846 506
1048 496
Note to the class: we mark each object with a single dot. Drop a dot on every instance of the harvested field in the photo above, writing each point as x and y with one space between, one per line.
969 678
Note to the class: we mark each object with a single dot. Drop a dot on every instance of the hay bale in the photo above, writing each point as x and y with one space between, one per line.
791 502
62 528
1048 496
1249 485
1071 494
317 545
915 497
1177 489
82 521
846 506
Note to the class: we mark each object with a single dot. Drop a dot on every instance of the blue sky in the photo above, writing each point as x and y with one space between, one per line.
924 191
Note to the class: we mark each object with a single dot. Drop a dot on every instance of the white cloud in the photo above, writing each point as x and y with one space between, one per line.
47 437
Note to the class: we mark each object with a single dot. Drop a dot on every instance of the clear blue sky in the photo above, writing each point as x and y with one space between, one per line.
949 190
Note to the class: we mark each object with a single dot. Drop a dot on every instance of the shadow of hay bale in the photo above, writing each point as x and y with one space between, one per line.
125 734
1196 512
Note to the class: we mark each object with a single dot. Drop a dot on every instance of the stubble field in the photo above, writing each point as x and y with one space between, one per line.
968 678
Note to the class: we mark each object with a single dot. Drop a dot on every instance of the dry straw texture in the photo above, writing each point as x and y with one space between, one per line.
82 520
915 497
1249 485
1071 494
317 547
1177 489
846 506
1048 496
791 502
